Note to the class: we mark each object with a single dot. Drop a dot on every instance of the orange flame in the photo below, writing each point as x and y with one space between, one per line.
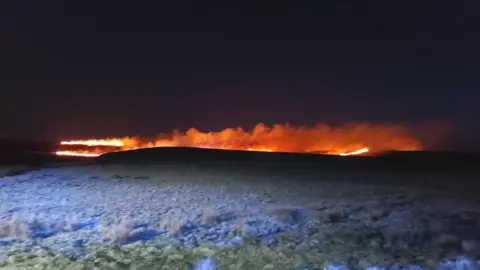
356 152
352 139
101 142
75 154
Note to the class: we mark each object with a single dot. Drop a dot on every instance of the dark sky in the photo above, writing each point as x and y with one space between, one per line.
115 68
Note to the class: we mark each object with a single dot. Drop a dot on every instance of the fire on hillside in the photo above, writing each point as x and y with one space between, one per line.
352 139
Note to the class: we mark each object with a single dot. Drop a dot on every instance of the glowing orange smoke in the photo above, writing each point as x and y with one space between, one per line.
352 139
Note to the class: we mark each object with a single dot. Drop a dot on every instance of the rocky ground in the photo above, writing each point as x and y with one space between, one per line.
170 217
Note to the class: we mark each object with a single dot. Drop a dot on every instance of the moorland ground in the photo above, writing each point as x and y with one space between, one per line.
245 215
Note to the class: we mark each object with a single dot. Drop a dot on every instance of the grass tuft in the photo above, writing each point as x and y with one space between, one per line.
120 232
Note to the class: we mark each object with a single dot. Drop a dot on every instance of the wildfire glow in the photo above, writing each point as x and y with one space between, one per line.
260 149
92 142
356 152
347 140
76 154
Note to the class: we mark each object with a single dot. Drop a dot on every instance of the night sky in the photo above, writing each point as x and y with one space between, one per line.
113 68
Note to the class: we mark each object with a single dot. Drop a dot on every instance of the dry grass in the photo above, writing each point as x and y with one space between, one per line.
171 224
121 231
287 215
14 227
332 214
210 217
328 203
215 216
337 209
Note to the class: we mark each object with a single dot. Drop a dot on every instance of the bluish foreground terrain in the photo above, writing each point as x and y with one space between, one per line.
191 216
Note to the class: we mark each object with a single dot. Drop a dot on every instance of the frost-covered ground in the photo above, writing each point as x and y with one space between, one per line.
116 216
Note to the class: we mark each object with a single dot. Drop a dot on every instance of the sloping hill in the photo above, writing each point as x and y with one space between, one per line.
394 161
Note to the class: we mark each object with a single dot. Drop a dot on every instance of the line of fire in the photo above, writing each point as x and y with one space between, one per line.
353 139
